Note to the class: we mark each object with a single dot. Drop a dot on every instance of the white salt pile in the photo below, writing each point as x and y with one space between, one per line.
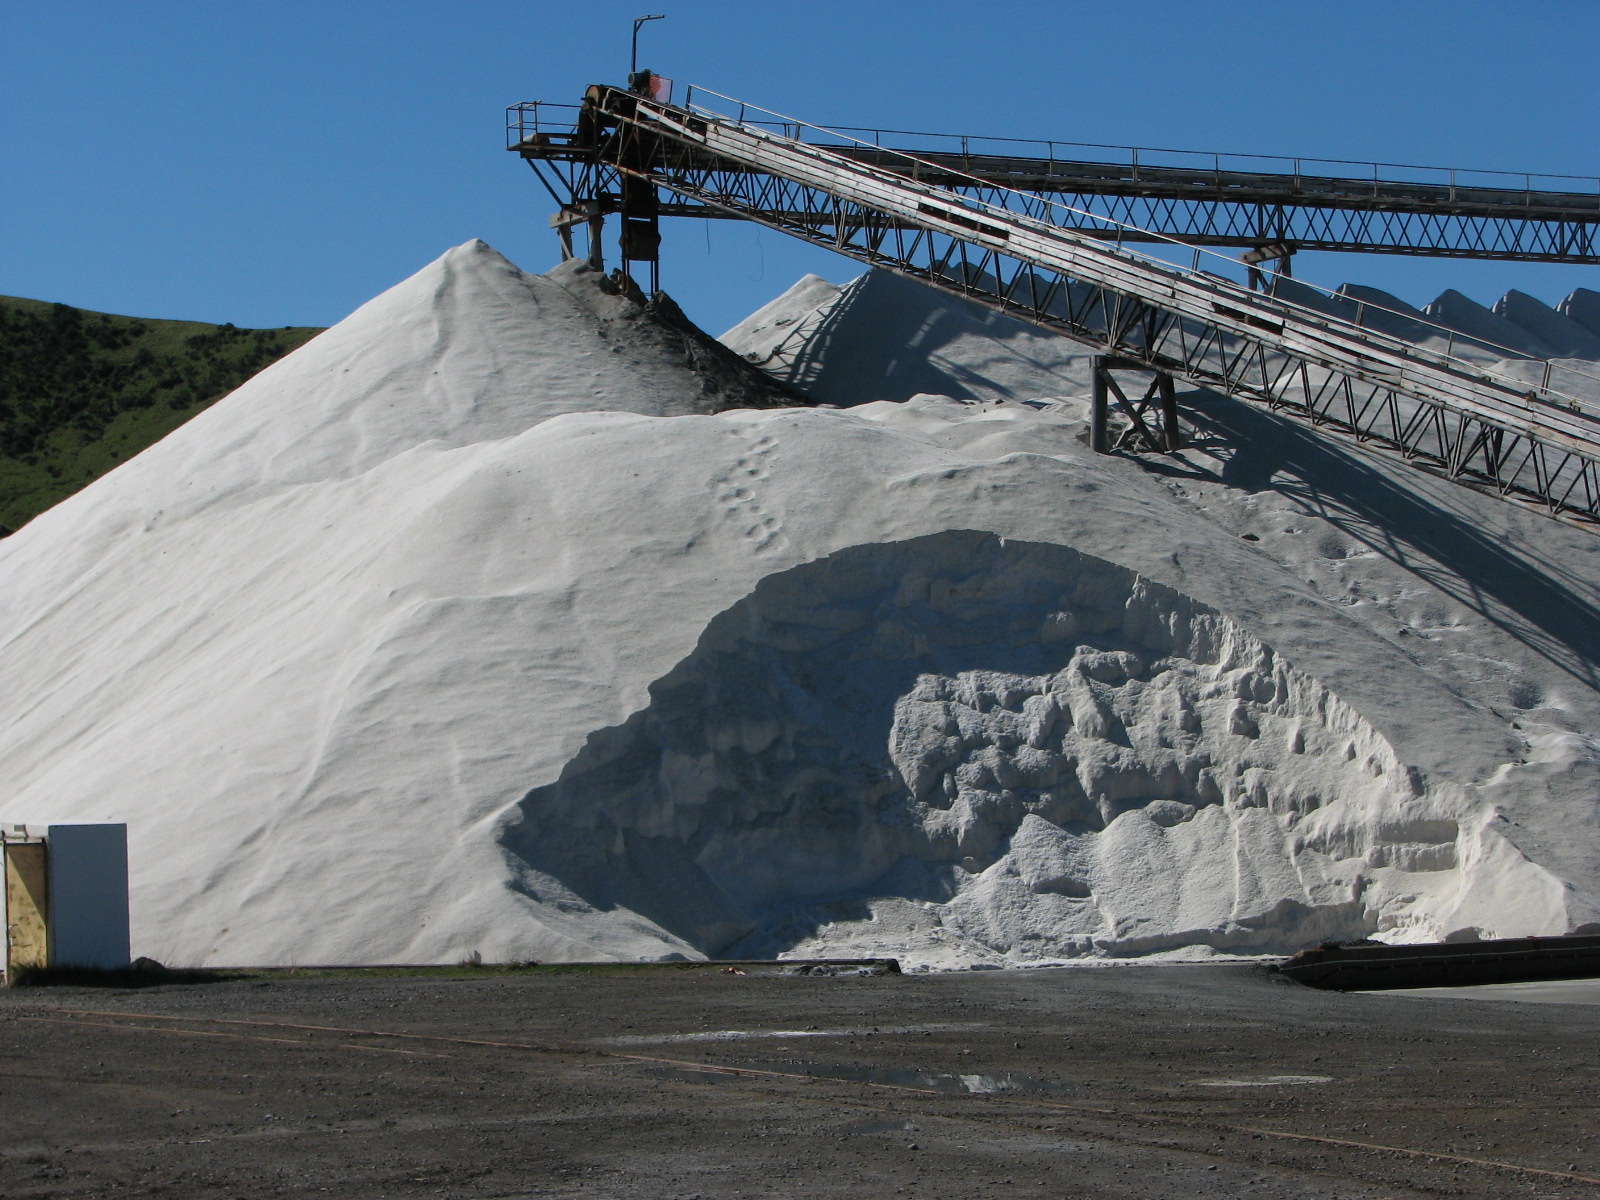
1583 306
884 337
1468 317
407 650
1561 333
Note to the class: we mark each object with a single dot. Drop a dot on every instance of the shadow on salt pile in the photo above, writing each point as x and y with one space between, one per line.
885 337
1475 565
1008 745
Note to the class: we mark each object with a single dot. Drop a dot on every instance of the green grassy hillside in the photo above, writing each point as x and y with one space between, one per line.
83 391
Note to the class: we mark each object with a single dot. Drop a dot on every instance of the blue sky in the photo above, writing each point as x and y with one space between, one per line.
279 163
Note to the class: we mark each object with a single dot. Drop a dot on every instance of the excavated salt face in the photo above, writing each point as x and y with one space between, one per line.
1053 755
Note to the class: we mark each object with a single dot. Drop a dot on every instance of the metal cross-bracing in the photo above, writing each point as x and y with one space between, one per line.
1255 209
1007 250
1246 201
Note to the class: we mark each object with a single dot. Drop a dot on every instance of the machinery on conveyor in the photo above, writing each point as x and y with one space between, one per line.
1035 253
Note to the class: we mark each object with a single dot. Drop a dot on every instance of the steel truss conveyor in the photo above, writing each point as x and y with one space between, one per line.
1276 214
1269 207
1019 252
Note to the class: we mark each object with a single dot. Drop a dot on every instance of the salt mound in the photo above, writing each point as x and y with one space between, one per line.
884 337
1472 320
779 319
1583 307
1563 335
1373 308
1552 350
1336 305
403 651
469 348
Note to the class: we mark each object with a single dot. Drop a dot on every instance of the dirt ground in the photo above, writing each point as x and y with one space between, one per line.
1175 1081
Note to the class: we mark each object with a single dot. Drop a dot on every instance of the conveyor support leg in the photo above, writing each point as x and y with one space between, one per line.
1152 419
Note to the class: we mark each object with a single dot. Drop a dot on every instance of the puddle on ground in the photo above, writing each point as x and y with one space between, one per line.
935 1081
1265 1081
741 1035
870 1125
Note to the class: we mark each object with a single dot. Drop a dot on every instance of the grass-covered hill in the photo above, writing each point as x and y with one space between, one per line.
83 391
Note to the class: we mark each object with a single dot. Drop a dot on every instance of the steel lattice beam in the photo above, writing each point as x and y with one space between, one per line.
1223 208
1237 224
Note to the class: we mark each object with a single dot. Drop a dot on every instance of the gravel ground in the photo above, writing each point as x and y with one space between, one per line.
1170 1081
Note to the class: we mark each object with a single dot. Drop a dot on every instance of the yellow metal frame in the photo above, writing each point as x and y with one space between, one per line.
27 898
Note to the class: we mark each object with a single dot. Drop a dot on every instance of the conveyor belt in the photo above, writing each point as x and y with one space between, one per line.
1019 252
1244 201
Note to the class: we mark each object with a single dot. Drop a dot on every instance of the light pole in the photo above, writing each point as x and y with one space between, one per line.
633 61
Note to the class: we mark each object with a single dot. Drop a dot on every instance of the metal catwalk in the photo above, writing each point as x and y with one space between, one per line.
1026 253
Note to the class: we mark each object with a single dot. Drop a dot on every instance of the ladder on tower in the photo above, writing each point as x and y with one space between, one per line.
1019 252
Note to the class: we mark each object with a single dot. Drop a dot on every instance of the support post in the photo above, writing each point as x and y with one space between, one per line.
1279 252
1152 417
581 212
1169 411
1097 407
